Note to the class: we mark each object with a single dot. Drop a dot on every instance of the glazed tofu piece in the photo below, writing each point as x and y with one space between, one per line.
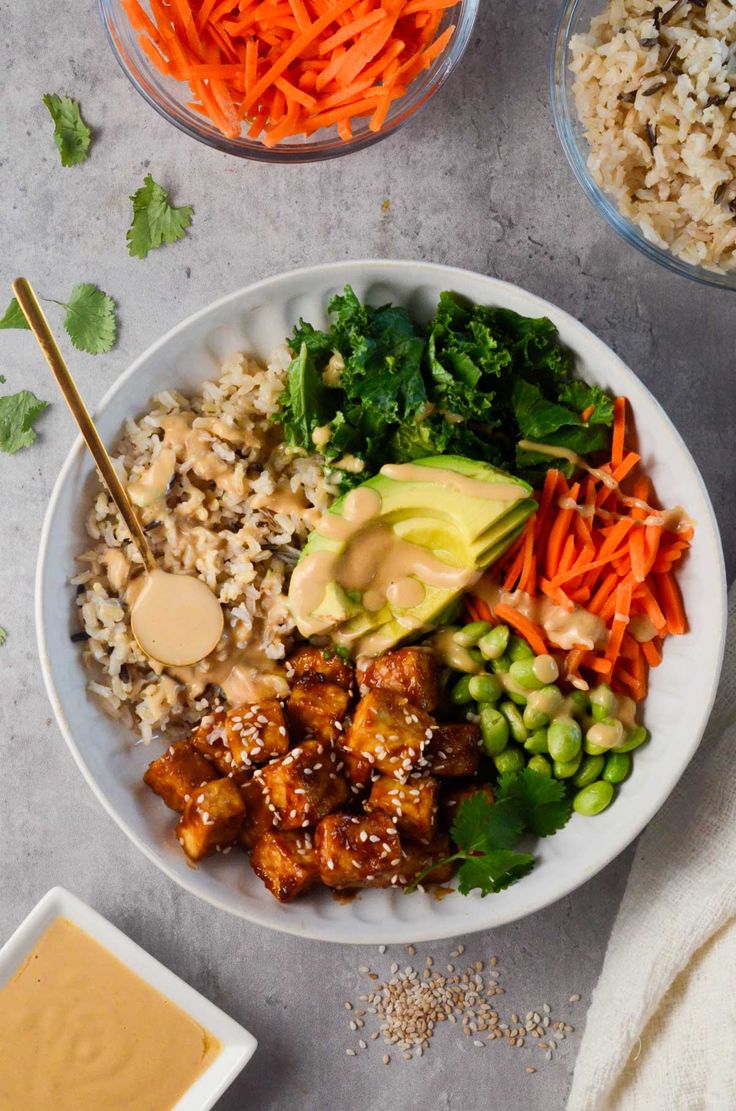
256 733
177 774
259 818
210 738
317 709
452 799
413 805
357 769
286 862
409 671
455 750
357 851
211 820
304 785
415 857
390 732
308 662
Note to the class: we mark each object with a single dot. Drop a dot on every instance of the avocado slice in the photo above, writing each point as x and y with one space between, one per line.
443 520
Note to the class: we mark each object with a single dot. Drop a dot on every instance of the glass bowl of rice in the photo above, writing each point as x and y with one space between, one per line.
176 102
644 101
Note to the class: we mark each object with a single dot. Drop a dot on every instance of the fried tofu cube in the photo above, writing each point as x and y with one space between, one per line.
256 733
286 862
259 818
412 804
357 769
211 820
317 709
452 798
454 750
409 671
177 774
210 738
390 732
309 661
357 851
304 785
415 857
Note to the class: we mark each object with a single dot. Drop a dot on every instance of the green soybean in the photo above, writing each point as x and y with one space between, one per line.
493 645
565 739
516 723
540 765
510 760
495 730
636 737
485 688
580 703
618 766
460 693
589 770
566 769
522 672
518 649
594 798
469 635
534 719
537 742
602 702
500 665
592 749
517 697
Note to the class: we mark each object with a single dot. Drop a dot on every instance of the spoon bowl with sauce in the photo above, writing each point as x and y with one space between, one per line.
175 618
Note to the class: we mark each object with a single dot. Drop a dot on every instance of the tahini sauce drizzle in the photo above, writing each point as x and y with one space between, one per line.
462 484
176 619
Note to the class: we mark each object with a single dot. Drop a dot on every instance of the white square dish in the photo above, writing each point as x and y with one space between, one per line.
238 1046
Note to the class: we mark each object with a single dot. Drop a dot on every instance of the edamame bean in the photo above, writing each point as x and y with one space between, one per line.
565 739
534 719
589 770
469 635
540 765
608 733
493 644
518 649
579 702
537 742
522 672
548 701
516 724
517 696
636 737
485 688
602 702
566 769
510 760
460 694
592 749
500 665
495 730
594 798
618 766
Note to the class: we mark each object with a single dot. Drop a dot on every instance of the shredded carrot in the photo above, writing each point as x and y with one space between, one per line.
532 633
619 431
292 67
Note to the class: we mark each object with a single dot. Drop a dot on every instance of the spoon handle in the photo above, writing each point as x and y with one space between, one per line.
39 326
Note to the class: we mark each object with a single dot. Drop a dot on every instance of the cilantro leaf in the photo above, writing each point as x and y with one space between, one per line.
155 220
18 413
545 805
481 826
71 134
90 319
13 317
3 636
493 871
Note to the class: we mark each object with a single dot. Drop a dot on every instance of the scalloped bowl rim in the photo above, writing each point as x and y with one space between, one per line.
469 914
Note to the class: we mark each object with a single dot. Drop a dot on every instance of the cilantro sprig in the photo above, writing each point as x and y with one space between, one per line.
71 134
486 833
155 220
18 414
90 320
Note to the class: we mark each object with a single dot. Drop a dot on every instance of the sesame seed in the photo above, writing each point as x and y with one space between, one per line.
350 1052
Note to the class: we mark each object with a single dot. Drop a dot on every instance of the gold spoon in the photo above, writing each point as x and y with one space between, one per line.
176 619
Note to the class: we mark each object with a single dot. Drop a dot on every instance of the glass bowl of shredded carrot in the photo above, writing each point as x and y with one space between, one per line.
288 80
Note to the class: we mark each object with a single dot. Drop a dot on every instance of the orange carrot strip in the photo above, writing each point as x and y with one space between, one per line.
619 431
351 30
599 664
652 651
558 536
531 633
556 594
670 600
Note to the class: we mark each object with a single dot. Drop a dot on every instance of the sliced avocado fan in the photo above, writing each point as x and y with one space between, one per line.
369 581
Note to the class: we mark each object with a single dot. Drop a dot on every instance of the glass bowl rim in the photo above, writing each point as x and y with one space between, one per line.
322 150
605 205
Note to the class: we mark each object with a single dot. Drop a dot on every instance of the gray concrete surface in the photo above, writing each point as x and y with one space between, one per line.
478 181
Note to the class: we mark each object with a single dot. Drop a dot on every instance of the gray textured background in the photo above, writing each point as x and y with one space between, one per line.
477 181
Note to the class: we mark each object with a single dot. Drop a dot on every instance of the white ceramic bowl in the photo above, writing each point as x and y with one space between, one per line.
255 320
238 1046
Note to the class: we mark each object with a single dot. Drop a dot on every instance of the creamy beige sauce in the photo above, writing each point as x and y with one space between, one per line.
545 669
154 482
194 451
547 701
406 593
242 674
451 654
556 452
80 1031
563 628
360 506
176 619
321 436
605 734
471 487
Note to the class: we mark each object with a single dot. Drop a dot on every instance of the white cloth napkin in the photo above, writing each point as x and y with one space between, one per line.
661 1029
